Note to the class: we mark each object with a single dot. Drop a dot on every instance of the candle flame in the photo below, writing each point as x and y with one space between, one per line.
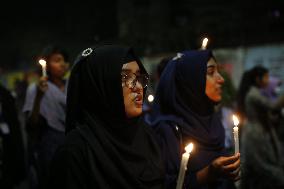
150 98
236 120
42 62
189 148
204 43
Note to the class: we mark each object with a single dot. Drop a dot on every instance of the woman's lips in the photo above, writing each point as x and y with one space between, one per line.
138 99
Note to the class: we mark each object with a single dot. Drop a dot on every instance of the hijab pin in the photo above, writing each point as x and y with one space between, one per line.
178 56
87 52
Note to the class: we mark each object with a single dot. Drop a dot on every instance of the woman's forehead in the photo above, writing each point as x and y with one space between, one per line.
131 67
211 62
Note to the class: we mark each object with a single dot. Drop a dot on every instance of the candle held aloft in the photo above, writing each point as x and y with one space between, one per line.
42 62
204 43
183 165
236 133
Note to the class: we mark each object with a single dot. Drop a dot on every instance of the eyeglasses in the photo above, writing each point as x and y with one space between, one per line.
130 79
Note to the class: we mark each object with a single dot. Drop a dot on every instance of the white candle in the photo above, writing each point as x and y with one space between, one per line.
42 62
204 43
236 133
183 165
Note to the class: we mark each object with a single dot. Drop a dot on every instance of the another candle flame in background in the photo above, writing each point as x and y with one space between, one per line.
42 62
150 98
236 120
189 148
204 43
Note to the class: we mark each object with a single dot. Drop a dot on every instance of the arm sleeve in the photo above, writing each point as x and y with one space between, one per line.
29 100
262 102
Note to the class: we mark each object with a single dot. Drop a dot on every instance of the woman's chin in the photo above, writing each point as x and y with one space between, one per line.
135 112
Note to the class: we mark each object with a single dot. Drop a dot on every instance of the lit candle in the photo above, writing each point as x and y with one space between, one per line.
183 165
42 62
204 43
236 133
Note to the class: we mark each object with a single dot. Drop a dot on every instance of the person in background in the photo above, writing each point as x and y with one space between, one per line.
44 107
262 162
12 154
272 89
161 66
148 106
189 89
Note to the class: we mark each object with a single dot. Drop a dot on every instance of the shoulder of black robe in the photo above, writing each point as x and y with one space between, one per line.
120 153
180 98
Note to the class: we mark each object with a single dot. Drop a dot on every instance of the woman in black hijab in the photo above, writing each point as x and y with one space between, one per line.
107 146
183 112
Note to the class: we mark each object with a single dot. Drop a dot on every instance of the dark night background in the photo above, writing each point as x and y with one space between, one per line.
242 33
152 27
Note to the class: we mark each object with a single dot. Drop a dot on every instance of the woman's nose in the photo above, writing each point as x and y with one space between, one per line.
138 86
220 78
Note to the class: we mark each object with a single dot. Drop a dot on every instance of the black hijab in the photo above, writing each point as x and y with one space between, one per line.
181 98
124 153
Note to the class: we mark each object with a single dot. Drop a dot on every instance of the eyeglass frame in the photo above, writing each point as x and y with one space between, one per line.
134 82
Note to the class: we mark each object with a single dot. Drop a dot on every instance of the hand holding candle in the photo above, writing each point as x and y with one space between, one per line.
183 165
236 133
42 62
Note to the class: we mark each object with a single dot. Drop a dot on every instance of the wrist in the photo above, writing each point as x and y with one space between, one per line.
212 173
205 175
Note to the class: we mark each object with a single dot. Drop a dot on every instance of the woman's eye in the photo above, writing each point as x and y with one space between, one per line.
210 72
